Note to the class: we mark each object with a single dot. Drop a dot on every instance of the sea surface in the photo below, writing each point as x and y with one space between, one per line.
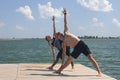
105 51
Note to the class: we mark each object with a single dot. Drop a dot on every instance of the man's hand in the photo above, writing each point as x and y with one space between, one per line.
64 11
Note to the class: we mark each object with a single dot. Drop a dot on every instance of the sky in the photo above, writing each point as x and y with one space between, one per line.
33 18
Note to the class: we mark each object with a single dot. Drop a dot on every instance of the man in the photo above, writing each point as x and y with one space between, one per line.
79 47
55 42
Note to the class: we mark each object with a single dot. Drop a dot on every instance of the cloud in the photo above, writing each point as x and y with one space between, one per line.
97 5
116 22
48 11
26 11
20 28
97 23
2 24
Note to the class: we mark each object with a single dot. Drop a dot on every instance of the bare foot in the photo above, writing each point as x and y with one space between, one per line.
51 68
72 70
57 72
99 75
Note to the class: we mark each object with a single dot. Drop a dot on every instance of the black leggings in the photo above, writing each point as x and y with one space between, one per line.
59 55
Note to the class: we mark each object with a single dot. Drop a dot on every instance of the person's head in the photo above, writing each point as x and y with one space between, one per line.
59 35
48 38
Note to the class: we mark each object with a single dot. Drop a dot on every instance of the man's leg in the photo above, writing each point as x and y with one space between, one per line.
90 57
69 60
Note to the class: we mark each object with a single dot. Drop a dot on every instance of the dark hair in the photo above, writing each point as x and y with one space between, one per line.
58 33
47 40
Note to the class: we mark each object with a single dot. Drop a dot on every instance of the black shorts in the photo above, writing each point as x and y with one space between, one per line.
81 47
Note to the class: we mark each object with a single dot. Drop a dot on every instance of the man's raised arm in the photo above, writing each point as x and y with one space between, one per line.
54 26
65 20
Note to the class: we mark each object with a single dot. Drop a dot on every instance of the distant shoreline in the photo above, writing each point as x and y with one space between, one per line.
81 37
19 38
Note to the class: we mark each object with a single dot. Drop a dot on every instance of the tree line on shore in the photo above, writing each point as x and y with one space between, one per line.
97 37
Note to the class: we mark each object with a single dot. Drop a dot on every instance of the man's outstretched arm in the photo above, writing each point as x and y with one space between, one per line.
65 20
54 26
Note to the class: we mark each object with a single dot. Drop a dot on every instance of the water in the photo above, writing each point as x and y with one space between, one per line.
105 51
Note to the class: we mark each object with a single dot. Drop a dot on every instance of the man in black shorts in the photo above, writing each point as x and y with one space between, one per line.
78 47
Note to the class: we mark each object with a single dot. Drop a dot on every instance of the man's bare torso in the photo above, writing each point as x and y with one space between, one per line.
70 39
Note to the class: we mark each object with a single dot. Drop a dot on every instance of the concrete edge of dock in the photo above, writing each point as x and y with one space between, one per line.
39 72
